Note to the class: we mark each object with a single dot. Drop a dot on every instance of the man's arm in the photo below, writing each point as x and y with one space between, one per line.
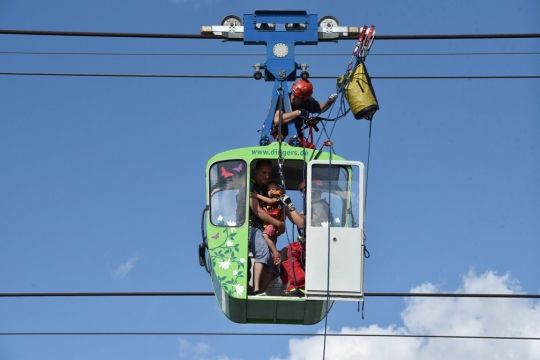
288 117
326 105
295 217
291 212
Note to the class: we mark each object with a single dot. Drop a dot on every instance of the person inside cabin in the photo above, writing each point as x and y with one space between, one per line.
302 103
273 207
264 269
293 256
320 209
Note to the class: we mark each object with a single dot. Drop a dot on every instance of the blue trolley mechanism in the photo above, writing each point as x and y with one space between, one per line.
334 252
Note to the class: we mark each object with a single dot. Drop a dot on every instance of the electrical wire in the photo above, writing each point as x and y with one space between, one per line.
188 333
200 293
179 76
257 54
129 75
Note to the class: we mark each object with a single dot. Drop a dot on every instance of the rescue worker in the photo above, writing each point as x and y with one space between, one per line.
302 103
320 209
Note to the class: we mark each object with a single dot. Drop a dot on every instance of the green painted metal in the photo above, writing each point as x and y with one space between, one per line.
227 240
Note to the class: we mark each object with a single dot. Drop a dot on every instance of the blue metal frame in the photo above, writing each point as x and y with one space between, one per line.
280 70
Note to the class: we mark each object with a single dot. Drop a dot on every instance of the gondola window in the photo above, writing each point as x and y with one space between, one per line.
227 193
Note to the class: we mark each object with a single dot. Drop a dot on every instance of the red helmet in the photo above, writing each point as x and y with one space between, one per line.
316 184
302 88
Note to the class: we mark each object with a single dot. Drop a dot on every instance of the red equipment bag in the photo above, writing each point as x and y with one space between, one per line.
292 266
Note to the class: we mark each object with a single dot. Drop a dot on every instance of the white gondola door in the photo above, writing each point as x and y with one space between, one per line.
335 244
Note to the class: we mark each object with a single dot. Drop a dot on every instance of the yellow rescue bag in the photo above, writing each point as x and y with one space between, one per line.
359 93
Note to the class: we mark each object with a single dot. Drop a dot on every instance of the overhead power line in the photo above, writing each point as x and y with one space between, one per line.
99 294
174 333
195 293
172 76
61 53
200 37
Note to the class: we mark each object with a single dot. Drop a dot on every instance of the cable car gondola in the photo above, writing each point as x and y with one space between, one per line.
334 250
333 269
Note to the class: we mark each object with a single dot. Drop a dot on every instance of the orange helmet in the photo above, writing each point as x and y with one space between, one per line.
277 194
302 88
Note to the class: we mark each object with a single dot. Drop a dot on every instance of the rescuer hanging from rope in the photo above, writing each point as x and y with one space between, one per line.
302 104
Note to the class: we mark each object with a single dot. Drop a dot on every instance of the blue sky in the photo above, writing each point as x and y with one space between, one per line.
102 179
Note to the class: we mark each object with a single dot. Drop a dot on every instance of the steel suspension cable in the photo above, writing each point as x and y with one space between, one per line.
188 333
200 293
332 77
61 53
219 37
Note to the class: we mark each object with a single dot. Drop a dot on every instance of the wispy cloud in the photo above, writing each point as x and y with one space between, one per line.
125 268
192 350
442 316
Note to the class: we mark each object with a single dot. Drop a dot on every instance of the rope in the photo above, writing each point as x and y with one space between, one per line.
366 252
282 177
330 221
279 138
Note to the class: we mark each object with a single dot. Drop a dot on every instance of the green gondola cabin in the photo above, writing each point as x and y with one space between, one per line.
334 251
